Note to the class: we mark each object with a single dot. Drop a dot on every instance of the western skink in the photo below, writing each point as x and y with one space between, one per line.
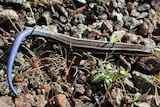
79 43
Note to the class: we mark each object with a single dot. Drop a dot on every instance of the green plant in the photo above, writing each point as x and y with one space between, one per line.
109 76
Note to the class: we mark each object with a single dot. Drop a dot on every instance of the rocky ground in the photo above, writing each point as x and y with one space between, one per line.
46 74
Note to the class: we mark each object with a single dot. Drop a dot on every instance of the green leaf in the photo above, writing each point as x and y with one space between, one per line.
157 75
98 78
122 70
101 69
117 36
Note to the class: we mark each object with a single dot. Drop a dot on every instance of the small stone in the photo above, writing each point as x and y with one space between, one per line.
1 53
107 26
134 13
142 104
25 100
150 25
79 18
149 43
132 38
142 15
2 42
131 22
79 88
82 79
63 10
121 4
92 62
88 104
125 12
82 1
67 27
95 25
99 9
119 16
6 101
75 32
78 30
74 29
118 4
143 29
114 3
118 23
88 92
61 100
63 19
144 82
156 32
43 1
40 101
148 65
103 17
47 17
7 13
152 12
130 6
52 28
78 103
94 35
143 7
155 4
117 95
81 27
30 21
91 5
